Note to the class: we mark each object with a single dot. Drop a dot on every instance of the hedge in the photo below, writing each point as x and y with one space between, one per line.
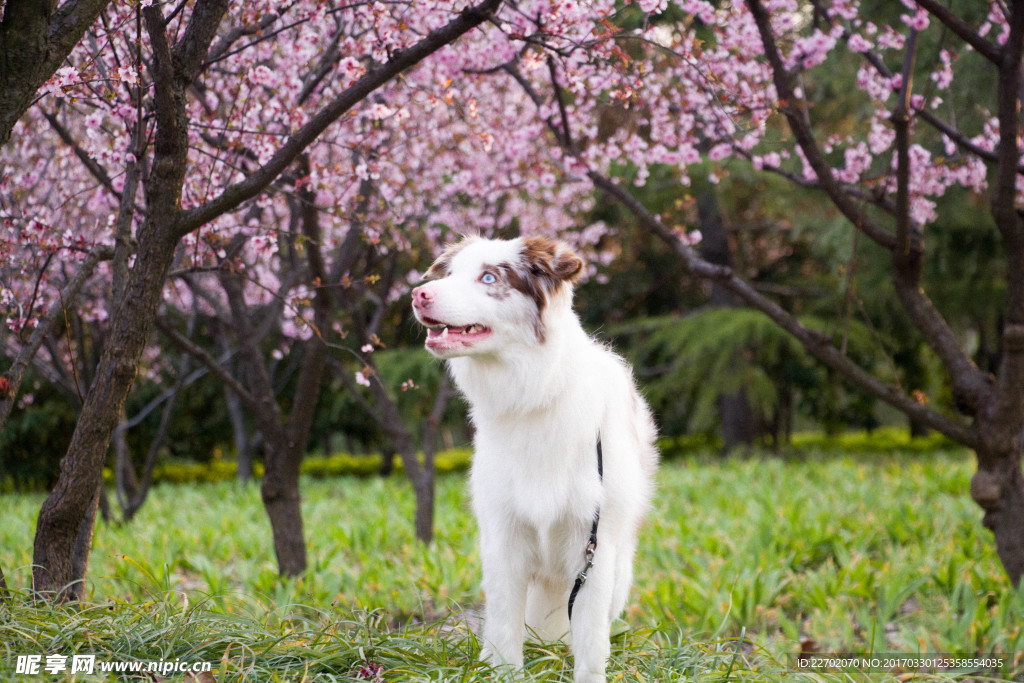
881 441
317 467
885 440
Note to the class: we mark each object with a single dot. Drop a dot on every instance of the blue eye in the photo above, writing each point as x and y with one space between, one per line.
488 278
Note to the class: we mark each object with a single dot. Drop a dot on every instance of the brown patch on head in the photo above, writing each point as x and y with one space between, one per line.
552 260
442 266
543 267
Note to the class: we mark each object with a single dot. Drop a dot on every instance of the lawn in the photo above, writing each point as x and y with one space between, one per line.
741 562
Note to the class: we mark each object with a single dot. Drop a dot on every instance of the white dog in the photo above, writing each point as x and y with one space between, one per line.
563 441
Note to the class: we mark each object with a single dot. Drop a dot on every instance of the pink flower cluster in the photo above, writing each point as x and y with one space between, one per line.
501 130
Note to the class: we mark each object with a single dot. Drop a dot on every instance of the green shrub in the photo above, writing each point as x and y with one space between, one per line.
881 441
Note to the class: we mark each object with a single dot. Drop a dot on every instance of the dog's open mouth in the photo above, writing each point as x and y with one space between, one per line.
443 335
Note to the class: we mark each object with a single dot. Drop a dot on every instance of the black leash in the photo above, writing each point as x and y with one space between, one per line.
581 578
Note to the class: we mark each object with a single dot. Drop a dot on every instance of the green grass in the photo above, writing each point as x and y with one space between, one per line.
739 562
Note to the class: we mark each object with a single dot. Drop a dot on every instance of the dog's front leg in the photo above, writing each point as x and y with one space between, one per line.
591 619
504 584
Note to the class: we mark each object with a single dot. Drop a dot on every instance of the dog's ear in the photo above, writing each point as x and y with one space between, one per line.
552 259
437 270
442 266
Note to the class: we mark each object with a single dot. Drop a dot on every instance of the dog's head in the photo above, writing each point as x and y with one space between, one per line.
484 294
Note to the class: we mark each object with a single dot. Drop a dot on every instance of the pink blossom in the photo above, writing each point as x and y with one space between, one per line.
858 160
943 76
857 43
262 75
720 151
455 143
919 20
653 6
691 238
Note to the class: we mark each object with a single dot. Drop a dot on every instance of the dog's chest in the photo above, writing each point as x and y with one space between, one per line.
537 478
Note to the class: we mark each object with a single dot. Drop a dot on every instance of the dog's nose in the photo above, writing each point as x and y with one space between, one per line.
422 297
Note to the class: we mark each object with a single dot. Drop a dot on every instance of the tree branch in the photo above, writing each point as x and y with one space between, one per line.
195 43
314 358
200 354
969 383
905 252
35 39
815 343
16 373
805 138
91 165
959 138
958 26
260 179
67 25
1008 406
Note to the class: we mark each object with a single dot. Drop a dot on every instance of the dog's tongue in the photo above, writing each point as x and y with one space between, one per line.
446 330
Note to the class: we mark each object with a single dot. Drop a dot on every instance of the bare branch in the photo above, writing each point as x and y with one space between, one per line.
988 50
815 343
566 137
200 354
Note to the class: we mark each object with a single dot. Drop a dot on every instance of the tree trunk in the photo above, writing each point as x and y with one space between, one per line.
423 485
387 461
739 428
83 546
280 487
421 476
72 502
998 487
35 38
281 499
126 482
736 418
243 445
104 506
422 479
426 488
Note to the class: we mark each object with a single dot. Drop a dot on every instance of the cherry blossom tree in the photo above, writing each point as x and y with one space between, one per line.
150 122
202 126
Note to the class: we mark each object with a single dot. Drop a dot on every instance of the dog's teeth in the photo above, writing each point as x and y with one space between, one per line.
445 332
